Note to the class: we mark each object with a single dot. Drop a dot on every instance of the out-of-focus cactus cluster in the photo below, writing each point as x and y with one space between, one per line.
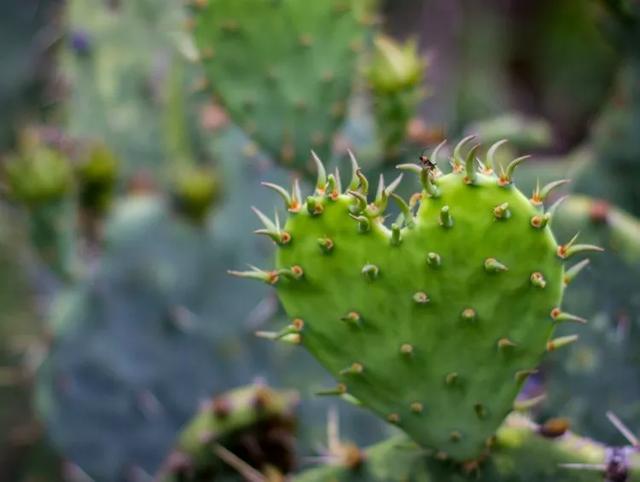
124 339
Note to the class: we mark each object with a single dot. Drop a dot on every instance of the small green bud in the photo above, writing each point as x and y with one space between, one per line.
38 175
395 66
195 191
97 177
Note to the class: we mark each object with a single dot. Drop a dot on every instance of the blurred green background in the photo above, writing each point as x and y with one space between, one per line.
133 138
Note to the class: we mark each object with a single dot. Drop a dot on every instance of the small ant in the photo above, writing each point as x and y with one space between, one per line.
426 162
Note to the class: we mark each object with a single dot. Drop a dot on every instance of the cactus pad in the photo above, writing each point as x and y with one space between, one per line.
284 69
522 452
435 322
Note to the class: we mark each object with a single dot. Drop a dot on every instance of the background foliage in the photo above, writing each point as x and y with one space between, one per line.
134 135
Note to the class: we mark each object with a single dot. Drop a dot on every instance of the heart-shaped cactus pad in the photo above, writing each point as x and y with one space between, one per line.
434 322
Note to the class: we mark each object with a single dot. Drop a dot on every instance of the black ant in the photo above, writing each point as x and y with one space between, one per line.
427 163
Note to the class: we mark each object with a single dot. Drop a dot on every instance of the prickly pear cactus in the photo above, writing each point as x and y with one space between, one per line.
394 460
284 69
253 425
40 178
247 307
395 78
435 322
522 452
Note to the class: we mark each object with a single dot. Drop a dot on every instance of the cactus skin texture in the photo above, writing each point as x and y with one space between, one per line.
254 423
433 325
284 69
521 453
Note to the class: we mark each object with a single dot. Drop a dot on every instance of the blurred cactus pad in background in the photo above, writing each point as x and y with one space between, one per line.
445 197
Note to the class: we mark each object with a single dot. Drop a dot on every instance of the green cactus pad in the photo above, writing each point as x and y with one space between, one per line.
522 453
394 460
284 69
434 323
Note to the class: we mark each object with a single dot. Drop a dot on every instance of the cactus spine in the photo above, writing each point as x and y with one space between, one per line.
517 449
